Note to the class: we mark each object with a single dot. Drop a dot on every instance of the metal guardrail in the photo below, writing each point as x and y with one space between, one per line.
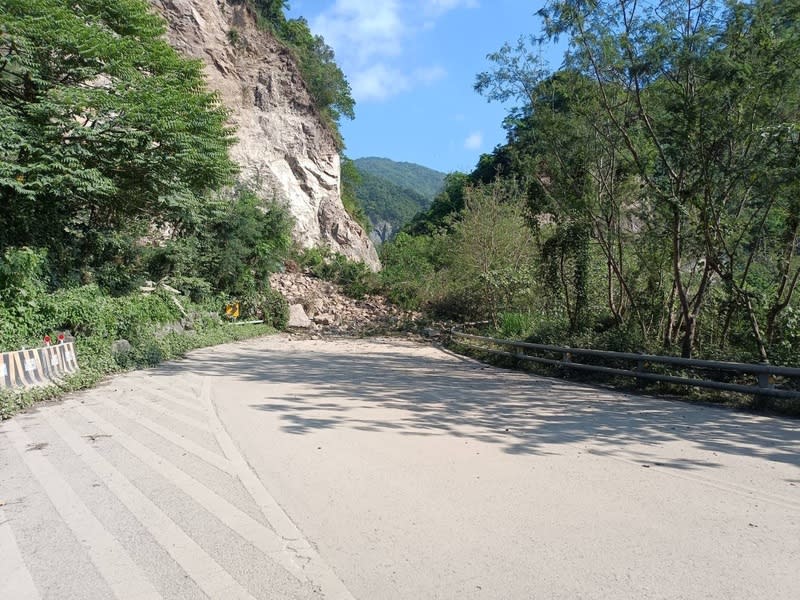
763 372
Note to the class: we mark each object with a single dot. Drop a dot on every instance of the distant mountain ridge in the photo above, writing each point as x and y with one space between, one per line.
411 176
393 192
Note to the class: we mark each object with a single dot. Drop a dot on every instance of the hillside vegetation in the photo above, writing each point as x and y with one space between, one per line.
647 197
392 193
422 180
115 177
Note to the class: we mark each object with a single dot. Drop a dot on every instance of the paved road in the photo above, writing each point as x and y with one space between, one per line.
375 470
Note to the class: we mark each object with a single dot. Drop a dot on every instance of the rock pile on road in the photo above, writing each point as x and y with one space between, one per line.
321 306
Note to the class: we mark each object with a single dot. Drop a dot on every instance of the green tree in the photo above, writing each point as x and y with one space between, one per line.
326 81
670 134
491 251
231 246
445 207
351 180
410 265
272 11
104 129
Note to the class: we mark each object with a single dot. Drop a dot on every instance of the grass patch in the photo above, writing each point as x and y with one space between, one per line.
98 320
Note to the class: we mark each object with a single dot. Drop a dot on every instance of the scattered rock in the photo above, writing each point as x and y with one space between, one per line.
298 317
169 328
326 319
121 347
329 310
314 306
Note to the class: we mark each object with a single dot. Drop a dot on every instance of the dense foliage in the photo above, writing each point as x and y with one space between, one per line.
355 278
411 176
112 152
659 171
392 193
115 175
104 130
473 264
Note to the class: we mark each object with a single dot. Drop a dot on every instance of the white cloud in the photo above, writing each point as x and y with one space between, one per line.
370 36
380 81
474 141
437 8
360 30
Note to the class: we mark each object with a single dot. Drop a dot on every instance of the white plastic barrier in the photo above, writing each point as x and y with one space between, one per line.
40 366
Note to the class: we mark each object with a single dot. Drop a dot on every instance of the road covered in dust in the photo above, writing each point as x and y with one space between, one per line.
385 469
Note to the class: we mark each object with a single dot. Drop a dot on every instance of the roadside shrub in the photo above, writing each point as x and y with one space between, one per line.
82 310
22 274
356 278
275 309
515 325
551 331
409 264
136 315
22 287
231 247
312 259
197 289
269 305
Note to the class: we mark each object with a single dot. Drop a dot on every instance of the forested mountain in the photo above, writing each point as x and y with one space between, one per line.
387 205
422 180
391 193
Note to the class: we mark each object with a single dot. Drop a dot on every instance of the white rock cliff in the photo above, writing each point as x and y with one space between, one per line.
284 150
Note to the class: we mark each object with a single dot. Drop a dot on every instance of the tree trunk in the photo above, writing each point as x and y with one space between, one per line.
751 314
687 342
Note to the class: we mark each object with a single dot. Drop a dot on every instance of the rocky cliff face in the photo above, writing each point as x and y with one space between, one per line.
284 150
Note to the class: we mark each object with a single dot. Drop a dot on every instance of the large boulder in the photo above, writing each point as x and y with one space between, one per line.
298 317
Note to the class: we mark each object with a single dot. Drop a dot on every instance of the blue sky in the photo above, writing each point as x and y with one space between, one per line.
412 64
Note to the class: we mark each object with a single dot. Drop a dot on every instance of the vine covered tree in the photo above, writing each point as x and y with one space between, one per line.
670 137
661 164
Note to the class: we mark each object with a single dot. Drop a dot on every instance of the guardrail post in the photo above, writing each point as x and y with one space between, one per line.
760 400
566 360
639 369
763 381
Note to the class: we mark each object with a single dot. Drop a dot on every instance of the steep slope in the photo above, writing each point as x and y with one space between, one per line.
284 150
424 181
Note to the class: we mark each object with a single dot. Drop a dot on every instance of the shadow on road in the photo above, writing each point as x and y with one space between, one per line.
522 413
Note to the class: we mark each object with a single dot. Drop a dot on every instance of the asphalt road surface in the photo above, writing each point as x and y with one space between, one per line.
383 469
